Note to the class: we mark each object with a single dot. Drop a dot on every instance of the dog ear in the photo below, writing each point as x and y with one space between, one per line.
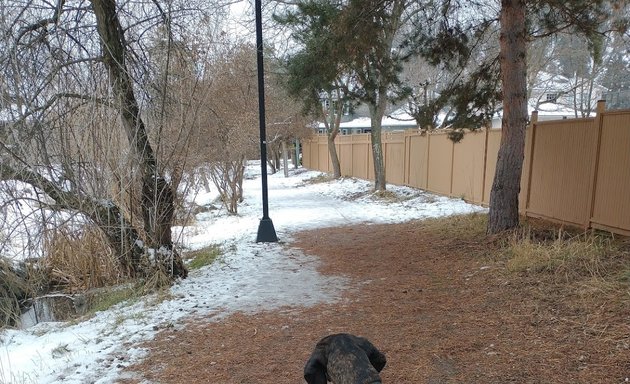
376 357
315 368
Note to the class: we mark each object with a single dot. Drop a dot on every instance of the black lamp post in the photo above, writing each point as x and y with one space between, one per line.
266 231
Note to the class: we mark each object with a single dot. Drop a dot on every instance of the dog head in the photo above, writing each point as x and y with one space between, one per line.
344 359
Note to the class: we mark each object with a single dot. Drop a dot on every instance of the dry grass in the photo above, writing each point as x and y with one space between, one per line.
157 281
591 267
386 196
202 257
584 275
323 178
13 288
567 256
467 226
79 260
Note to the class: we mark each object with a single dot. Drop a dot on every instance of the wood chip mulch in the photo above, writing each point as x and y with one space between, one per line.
440 308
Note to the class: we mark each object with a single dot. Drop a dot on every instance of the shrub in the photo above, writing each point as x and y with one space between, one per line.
13 290
79 259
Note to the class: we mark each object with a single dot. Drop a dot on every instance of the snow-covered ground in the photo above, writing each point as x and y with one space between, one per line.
248 277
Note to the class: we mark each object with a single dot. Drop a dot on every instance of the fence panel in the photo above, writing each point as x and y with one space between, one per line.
611 209
440 163
494 141
417 159
566 177
370 164
360 155
561 166
344 150
322 154
394 147
468 166
306 153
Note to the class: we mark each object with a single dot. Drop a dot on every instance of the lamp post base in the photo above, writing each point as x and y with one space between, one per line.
266 232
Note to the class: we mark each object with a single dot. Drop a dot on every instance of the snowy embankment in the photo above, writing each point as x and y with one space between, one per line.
248 277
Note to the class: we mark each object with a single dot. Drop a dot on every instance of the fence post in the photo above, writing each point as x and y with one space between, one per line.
599 125
485 163
327 157
385 149
315 155
369 155
406 157
529 160
450 188
320 165
351 144
428 157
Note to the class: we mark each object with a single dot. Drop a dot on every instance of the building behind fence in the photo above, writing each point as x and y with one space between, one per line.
576 171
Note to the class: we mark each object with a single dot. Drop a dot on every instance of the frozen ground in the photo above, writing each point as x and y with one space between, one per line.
248 277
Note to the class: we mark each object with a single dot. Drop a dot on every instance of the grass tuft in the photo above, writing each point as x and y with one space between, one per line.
111 297
60 351
466 226
159 280
386 196
624 276
202 257
323 178
564 255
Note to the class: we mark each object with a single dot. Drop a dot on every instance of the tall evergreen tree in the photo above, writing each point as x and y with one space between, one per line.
507 178
367 31
545 17
313 74
355 40
520 21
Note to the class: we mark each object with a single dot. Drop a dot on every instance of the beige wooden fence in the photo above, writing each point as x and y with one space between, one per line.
576 171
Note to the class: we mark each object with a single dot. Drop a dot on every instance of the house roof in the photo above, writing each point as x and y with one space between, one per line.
397 119
549 82
546 111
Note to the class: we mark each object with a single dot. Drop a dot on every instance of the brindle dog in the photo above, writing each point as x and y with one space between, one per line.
344 359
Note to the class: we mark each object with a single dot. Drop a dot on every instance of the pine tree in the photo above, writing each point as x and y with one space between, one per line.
313 75
353 41
520 21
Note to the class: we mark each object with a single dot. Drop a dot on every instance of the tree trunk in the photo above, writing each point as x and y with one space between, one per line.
285 158
276 157
334 157
227 177
204 180
270 159
376 114
296 156
241 176
507 179
378 74
332 130
157 195
122 237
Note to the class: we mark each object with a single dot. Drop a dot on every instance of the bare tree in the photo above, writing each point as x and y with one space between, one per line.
76 101
232 102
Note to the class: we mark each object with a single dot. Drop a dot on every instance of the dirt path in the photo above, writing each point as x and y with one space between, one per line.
438 307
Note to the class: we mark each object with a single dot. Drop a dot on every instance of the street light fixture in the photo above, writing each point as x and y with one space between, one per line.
266 231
